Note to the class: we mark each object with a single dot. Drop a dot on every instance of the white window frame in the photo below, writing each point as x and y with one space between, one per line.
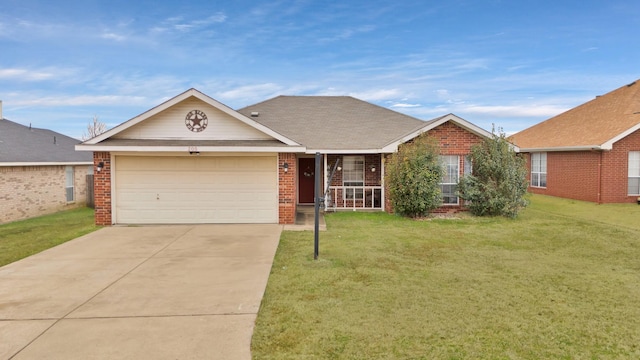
450 179
353 175
69 175
538 170
633 181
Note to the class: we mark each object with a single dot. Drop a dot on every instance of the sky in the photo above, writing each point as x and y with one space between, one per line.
502 64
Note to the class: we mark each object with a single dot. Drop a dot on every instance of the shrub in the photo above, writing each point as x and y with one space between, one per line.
413 176
498 183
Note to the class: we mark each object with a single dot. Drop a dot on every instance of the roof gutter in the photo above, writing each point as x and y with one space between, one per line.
565 148
346 151
253 149
43 163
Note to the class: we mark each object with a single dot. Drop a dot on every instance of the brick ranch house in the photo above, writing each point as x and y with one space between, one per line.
591 152
195 160
40 171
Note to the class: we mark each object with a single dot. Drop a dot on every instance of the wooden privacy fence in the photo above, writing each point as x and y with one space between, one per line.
90 198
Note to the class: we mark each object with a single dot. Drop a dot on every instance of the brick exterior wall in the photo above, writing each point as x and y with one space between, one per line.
615 170
102 188
572 175
453 140
287 188
578 174
29 191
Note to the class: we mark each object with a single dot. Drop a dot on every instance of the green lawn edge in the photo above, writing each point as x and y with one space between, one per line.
20 239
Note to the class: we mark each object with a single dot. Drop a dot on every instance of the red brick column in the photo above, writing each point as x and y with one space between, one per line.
102 188
287 188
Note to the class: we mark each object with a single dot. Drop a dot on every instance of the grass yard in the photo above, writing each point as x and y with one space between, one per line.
20 239
562 282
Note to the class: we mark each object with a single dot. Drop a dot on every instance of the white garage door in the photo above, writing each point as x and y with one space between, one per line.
196 189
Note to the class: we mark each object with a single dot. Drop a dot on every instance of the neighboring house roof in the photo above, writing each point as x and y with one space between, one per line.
595 125
338 123
26 146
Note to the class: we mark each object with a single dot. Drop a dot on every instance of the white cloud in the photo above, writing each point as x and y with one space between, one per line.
81 100
523 110
345 34
377 94
25 74
113 36
181 25
402 105
251 92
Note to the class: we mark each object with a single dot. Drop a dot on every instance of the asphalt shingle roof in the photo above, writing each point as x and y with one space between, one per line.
591 124
19 143
332 122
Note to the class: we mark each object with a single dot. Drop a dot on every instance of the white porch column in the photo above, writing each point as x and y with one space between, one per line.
382 192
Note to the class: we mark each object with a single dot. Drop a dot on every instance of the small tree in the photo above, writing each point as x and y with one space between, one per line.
413 177
95 128
498 183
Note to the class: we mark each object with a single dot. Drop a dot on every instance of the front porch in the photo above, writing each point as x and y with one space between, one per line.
350 182
354 198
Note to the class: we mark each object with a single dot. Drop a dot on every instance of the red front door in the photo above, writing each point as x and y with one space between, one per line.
306 180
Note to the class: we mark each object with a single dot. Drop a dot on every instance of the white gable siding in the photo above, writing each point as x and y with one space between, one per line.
170 124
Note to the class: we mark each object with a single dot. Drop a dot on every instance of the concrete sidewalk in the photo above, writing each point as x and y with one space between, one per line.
149 292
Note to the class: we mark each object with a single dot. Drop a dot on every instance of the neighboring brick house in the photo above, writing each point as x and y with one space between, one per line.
591 152
194 160
40 172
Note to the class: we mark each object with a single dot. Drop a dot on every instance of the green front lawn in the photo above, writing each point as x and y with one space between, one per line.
561 281
27 237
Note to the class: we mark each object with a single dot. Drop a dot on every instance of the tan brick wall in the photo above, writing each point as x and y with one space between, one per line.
29 191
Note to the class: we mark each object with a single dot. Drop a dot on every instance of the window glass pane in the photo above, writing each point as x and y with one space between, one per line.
468 166
451 166
535 179
539 169
449 194
353 175
535 162
69 182
634 186
449 183
634 163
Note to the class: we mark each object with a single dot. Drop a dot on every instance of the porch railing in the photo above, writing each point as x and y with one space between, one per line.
354 197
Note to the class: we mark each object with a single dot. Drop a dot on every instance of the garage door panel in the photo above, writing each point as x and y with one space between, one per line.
196 189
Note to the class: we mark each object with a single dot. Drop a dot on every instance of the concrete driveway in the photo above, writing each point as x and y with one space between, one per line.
148 292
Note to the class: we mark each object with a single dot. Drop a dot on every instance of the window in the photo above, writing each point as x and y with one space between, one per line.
69 183
449 184
353 175
468 165
634 173
539 170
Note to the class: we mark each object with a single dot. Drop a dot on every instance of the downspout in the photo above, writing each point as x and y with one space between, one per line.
600 178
